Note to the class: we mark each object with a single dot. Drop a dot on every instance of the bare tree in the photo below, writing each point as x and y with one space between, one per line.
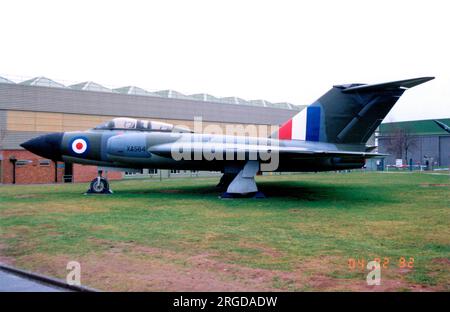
2 137
401 140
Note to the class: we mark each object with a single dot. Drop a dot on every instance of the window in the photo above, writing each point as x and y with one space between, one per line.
174 171
44 162
22 162
131 173
124 123
152 171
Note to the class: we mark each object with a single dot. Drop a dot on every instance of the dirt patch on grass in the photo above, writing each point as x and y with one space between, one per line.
330 273
389 283
4 258
144 272
445 261
38 208
15 212
435 185
128 266
21 196
325 283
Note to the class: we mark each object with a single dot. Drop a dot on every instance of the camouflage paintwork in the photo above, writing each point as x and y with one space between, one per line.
349 114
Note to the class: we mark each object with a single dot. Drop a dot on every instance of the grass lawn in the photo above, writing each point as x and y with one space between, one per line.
313 232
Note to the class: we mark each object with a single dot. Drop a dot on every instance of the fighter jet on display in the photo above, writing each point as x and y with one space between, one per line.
328 135
442 125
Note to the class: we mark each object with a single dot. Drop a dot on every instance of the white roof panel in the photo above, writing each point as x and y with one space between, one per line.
90 86
4 80
43 82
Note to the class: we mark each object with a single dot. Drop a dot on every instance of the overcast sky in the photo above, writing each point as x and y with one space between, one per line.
275 50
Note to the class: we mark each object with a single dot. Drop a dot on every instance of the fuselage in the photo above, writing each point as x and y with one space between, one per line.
330 134
143 149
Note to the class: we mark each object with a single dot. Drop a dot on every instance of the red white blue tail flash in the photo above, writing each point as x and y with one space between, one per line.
304 126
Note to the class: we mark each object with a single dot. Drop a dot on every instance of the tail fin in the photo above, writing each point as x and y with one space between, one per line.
347 113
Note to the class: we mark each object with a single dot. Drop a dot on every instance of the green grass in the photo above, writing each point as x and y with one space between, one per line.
308 227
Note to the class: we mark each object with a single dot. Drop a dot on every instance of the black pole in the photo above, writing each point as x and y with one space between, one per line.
14 172
56 171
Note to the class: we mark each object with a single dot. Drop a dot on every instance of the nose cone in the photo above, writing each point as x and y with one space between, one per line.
47 146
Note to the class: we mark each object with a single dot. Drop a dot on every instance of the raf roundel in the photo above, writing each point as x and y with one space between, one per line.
79 146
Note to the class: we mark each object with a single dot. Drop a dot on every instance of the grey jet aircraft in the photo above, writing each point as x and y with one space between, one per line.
330 134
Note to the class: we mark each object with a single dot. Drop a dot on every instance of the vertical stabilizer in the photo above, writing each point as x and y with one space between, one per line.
347 113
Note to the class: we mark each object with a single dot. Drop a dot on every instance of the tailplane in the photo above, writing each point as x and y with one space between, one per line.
347 113
442 125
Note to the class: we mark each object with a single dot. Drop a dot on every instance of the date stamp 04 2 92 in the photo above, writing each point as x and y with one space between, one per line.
374 266
360 263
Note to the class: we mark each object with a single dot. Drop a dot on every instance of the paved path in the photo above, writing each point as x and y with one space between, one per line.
13 283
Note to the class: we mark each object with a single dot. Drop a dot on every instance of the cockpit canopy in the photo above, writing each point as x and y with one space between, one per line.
139 125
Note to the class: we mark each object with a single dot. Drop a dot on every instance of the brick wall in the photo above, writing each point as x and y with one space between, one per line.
33 172
30 173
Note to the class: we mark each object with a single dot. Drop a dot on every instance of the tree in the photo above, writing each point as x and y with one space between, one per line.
2 137
401 140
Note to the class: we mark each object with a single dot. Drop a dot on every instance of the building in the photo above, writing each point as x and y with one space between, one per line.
422 142
40 105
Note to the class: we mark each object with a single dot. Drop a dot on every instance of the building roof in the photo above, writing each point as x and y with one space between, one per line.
286 105
172 94
417 127
134 90
90 86
43 82
4 80
205 97
233 100
263 103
